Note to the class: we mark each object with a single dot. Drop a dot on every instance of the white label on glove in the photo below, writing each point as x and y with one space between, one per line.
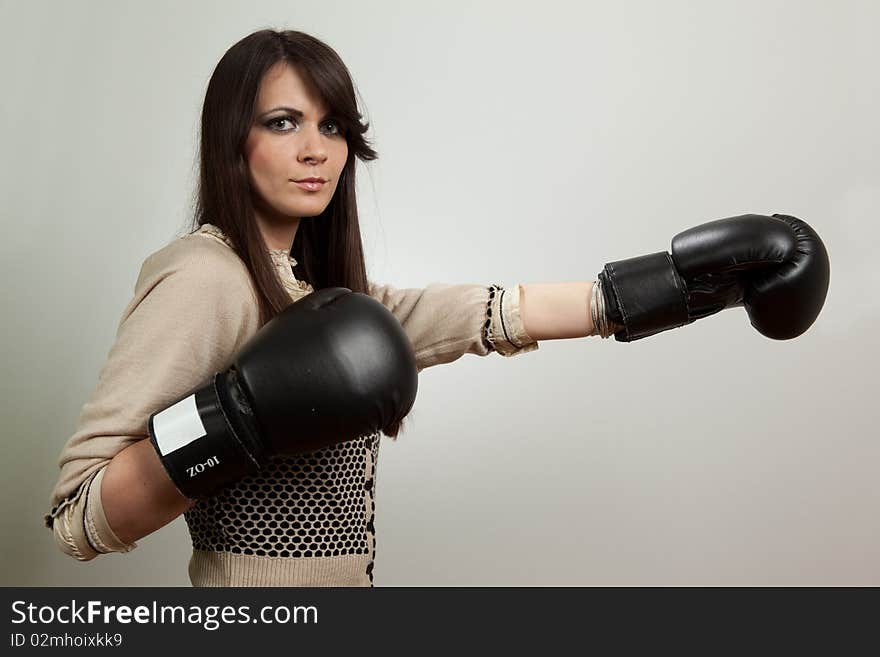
178 425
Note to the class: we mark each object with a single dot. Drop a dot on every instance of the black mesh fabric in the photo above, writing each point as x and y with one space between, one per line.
317 504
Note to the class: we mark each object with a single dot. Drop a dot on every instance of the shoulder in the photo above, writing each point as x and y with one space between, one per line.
199 260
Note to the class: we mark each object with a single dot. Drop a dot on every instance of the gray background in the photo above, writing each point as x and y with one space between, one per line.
519 142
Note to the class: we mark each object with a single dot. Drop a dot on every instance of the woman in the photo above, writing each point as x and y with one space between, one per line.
280 110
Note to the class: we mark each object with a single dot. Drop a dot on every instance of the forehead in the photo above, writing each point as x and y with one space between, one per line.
283 85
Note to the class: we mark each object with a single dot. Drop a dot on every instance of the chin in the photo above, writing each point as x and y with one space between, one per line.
309 209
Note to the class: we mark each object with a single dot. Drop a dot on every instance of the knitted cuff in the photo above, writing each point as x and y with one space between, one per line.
98 531
503 328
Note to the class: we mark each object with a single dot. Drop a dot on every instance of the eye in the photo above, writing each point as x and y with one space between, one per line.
273 122
281 119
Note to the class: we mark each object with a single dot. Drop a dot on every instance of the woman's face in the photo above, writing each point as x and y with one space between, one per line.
283 147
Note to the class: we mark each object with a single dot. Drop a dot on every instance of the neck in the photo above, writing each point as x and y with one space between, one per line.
278 233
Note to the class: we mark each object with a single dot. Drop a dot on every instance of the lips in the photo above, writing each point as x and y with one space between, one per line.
310 186
313 180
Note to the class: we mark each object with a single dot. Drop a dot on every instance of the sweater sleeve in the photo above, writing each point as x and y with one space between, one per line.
445 321
81 528
192 309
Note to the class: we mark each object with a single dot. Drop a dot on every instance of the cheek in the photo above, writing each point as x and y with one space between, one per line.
262 161
257 157
340 158
343 155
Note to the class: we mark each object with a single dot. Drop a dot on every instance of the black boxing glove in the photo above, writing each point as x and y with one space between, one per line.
331 367
776 267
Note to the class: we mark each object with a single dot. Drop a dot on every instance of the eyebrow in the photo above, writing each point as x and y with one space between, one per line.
292 110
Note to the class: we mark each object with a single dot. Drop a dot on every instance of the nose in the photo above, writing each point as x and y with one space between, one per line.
312 149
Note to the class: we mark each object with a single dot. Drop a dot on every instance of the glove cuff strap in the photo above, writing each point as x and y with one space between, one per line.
201 446
645 295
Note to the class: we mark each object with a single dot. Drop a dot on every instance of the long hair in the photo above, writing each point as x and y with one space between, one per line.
328 248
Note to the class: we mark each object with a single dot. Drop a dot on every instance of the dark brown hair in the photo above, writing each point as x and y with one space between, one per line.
328 247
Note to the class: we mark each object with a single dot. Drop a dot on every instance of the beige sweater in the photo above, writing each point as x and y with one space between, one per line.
305 520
